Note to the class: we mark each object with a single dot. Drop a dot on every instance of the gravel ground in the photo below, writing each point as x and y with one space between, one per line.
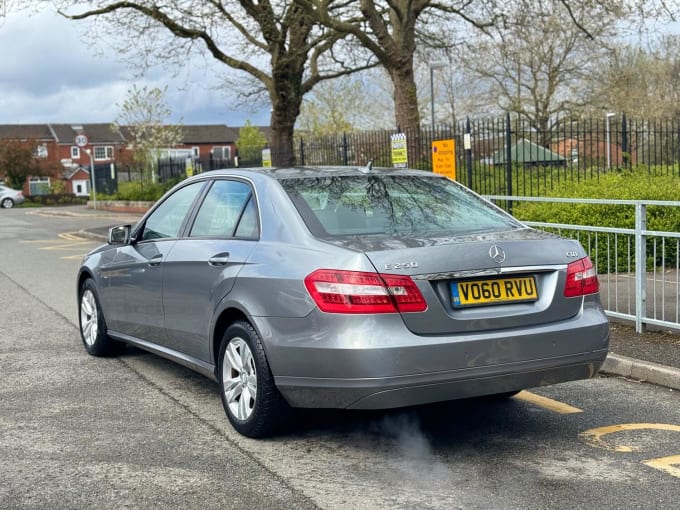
656 345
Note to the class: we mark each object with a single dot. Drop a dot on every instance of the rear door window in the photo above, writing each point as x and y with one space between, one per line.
228 210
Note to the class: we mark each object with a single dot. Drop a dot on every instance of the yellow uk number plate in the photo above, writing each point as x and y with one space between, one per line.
493 292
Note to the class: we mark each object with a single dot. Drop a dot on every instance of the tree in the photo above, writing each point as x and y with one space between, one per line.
251 141
275 43
333 107
643 83
539 64
18 162
144 115
391 30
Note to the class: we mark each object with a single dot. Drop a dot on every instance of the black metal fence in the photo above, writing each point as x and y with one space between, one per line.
514 157
175 168
106 178
496 156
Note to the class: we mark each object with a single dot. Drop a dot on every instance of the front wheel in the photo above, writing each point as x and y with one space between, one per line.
93 325
252 402
7 203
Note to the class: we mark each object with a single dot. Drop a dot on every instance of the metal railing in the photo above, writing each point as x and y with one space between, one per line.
638 268
507 155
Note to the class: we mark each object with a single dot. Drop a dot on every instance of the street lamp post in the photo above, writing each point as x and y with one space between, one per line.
94 180
608 116
433 66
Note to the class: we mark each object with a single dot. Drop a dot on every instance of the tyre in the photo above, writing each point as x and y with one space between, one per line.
93 325
7 203
251 401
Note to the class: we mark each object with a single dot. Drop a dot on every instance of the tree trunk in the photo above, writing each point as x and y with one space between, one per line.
405 98
407 115
286 95
283 127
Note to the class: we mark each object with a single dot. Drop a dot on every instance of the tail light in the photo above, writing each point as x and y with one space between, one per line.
581 279
338 291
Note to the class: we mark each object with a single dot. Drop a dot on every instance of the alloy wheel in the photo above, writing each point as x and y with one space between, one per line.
239 379
88 317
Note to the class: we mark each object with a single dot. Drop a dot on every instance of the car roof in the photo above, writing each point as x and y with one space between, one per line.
315 171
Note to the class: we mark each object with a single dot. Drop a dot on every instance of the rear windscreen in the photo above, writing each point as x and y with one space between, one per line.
392 205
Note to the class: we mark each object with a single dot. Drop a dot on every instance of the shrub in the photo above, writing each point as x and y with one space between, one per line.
54 199
637 184
138 191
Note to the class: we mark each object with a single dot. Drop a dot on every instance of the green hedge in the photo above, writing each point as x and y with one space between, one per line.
637 184
54 199
137 191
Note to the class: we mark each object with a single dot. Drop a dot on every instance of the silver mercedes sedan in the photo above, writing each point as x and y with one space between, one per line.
353 288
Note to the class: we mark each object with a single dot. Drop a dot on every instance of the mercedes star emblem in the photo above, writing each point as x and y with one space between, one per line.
497 254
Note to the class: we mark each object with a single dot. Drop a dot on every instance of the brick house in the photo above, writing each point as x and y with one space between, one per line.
105 144
200 143
208 145
40 138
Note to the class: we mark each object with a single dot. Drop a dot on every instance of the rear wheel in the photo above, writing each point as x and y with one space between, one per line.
93 325
253 405
7 203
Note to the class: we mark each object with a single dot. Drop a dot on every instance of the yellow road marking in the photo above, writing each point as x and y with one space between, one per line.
70 246
73 257
547 403
38 241
71 236
593 437
665 464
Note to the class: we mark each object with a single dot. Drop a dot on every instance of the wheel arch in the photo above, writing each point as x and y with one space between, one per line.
82 276
226 318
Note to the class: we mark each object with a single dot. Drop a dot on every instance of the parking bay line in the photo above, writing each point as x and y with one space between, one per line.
547 403
72 236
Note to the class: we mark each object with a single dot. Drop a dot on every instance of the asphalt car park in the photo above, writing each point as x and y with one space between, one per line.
141 431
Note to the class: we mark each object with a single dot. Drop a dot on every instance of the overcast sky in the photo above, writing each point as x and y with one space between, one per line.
48 74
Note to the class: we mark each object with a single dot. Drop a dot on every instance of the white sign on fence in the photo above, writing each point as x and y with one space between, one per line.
399 151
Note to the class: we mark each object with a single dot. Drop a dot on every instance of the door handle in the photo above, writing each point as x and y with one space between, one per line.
219 260
155 260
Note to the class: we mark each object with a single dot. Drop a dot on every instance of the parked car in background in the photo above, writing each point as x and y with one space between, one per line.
353 288
10 197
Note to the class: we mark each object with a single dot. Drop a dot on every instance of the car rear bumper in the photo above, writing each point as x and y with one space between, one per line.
369 362
428 388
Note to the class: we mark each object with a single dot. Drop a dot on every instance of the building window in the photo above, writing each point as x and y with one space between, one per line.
174 153
196 151
75 152
221 152
102 152
39 185
41 151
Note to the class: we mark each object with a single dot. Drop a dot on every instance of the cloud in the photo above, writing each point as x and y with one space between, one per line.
44 52
52 73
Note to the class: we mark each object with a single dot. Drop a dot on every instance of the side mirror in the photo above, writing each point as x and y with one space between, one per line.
120 234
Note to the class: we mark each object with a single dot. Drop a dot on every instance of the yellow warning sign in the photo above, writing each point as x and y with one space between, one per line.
399 151
444 158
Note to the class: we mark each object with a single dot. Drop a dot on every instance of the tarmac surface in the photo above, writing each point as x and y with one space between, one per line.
652 356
